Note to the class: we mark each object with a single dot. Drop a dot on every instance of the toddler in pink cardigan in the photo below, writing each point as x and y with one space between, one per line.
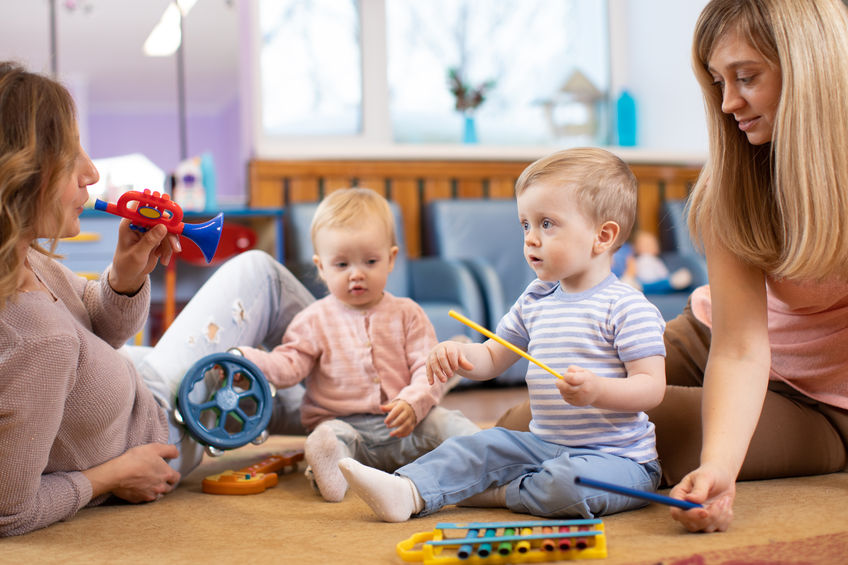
361 351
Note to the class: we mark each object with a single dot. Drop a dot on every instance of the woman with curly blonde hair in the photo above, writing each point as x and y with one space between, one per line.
80 420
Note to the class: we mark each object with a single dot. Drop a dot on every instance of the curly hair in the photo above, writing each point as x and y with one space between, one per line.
38 146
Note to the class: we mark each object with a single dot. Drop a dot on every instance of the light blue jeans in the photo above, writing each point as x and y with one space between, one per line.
366 436
249 300
539 475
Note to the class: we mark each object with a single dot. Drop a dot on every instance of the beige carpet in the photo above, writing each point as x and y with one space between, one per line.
802 520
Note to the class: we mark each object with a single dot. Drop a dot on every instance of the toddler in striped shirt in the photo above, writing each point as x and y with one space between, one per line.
575 207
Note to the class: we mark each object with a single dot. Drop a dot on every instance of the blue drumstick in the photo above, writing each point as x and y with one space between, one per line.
651 496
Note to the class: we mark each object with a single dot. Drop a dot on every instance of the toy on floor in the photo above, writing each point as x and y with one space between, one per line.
475 326
236 408
644 495
153 208
534 541
255 478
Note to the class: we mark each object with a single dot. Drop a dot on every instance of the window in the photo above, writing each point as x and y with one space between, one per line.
310 67
377 71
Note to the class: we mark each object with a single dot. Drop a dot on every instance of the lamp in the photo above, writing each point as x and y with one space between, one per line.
167 34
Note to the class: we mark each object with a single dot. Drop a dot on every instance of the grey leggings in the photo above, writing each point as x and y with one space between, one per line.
795 435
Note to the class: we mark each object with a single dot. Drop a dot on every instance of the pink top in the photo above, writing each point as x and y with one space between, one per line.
808 331
354 360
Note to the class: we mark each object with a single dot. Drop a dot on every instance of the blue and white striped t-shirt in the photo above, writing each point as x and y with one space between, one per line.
599 330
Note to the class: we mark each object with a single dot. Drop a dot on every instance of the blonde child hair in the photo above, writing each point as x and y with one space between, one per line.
603 184
350 207
782 207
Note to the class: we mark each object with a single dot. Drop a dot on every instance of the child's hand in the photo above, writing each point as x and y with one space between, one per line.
444 360
579 387
401 417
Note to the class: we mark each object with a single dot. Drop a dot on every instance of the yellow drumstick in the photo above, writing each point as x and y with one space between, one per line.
475 326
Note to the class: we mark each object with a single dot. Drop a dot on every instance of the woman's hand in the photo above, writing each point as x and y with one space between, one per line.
713 488
137 254
141 474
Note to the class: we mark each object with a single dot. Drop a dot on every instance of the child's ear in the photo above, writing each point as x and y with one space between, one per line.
606 237
392 256
317 260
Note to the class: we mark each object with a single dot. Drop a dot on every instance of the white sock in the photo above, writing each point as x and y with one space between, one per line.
392 498
492 497
323 451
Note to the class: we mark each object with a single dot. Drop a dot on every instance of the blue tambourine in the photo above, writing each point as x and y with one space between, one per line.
237 407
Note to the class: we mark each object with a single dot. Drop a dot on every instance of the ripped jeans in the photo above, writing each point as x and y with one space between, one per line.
249 300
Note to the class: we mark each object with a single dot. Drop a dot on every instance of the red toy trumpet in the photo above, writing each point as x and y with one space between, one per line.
153 208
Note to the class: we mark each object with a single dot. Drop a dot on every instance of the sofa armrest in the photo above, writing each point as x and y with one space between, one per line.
449 282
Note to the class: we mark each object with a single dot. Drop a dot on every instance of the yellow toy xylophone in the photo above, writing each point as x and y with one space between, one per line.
534 541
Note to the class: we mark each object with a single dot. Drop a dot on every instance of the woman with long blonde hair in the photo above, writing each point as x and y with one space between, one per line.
757 363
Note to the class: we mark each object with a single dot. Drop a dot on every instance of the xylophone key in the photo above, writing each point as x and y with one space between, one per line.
505 547
465 550
524 545
485 549
548 544
564 543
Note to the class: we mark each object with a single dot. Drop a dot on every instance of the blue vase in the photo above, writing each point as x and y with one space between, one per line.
625 109
470 133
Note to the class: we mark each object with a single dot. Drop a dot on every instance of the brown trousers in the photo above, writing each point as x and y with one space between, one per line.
795 435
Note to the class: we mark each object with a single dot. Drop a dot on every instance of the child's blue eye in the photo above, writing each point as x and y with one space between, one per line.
546 224
525 226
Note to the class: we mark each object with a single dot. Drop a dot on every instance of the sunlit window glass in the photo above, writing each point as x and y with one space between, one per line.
533 71
311 75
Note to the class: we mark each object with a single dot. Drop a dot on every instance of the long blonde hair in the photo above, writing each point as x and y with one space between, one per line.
781 206
38 146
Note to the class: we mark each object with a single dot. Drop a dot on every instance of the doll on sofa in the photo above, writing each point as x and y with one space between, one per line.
646 271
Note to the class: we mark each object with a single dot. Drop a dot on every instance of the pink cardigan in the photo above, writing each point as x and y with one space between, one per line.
354 360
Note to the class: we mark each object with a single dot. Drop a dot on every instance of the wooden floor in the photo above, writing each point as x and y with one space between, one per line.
484 405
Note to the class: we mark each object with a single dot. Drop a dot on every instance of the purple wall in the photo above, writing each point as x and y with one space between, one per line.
157 137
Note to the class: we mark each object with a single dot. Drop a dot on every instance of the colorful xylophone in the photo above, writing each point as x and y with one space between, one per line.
534 541
253 479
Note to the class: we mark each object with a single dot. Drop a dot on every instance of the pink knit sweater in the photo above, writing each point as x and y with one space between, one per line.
808 332
68 400
355 360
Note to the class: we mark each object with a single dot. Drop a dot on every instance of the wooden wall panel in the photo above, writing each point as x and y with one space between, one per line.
276 183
